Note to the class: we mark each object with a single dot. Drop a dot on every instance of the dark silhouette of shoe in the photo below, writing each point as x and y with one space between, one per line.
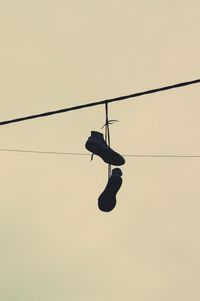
107 200
97 145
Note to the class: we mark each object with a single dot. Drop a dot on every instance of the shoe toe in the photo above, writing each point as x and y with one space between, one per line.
118 160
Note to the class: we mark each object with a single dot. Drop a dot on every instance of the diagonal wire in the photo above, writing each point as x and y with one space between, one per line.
92 104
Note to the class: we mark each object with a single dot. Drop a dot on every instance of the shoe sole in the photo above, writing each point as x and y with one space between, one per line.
107 200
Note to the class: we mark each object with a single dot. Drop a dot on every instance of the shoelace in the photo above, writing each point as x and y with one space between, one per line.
107 135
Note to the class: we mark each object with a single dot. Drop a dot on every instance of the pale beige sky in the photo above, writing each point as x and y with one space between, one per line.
55 243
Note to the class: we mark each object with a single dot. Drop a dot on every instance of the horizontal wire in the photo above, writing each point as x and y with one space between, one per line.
92 104
162 156
42 152
85 154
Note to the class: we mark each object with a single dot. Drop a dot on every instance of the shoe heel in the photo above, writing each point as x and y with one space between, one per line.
92 147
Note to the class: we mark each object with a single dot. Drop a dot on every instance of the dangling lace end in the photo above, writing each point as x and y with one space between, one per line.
112 121
91 158
109 122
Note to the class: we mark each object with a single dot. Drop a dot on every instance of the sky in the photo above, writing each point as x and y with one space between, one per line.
55 243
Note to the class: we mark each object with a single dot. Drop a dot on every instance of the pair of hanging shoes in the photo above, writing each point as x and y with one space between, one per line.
98 146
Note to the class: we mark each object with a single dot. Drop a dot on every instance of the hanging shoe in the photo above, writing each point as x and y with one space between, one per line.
97 145
107 199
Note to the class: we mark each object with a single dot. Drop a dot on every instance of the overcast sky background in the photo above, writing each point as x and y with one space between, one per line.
55 243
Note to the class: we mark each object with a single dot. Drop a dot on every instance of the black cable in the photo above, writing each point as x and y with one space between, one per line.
99 102
85 154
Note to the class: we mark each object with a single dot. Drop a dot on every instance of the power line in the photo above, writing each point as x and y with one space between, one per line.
85 154
42 152
163 156
92 104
